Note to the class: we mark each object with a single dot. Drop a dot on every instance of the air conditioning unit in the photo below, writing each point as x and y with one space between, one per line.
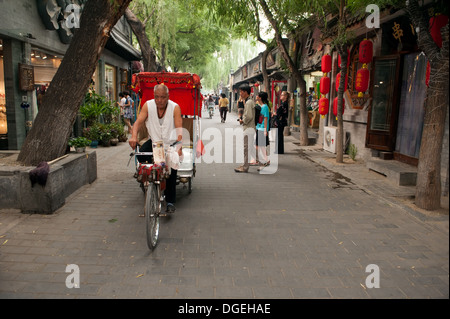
329 139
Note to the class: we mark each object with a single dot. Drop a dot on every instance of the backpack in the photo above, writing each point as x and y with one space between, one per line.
257 113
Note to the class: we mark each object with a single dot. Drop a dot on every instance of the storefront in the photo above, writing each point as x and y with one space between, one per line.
30 56
3 120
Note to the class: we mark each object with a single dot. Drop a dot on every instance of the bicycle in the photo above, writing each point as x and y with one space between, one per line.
153 182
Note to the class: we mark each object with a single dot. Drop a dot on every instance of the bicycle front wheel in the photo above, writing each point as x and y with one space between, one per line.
152 211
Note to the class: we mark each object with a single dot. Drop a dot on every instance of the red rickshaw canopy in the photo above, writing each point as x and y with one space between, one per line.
184 89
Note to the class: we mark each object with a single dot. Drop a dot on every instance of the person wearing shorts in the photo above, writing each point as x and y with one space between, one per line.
262 129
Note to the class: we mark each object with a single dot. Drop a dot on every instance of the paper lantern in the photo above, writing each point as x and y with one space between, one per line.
338 80
3 126
323 106
325 85
335 106
365 51
326 63
436 24
362 81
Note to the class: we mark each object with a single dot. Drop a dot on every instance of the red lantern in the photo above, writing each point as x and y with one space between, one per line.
323 106
365 51
326 63
325 85
335 106
256 84
338 80
362 81
436 24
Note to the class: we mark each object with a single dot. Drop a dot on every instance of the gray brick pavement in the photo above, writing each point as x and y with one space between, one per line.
304 232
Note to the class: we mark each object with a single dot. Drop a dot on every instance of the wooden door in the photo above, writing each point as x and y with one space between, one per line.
383 112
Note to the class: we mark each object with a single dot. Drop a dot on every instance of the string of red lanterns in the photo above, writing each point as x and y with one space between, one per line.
325 84
363 74
436 23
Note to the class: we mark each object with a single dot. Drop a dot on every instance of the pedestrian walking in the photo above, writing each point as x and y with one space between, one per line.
131 101
280 122
223 107
248 121
122 102
262 129
240 107
211 105
127 112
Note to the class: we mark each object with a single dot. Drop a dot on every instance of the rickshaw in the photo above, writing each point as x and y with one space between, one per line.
184 89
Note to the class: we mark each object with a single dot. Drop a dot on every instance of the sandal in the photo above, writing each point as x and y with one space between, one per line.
263 165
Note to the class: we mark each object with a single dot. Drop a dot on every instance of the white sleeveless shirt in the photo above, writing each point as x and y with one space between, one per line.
161 129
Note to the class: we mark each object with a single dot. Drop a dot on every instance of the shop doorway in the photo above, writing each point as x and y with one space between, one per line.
383 113
411 108
3 119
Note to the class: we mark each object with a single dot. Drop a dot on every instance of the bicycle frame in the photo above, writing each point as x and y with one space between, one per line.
150 173
153 182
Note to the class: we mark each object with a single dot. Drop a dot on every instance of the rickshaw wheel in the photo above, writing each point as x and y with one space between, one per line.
152 211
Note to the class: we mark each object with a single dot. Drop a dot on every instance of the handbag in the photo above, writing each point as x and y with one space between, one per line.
273 121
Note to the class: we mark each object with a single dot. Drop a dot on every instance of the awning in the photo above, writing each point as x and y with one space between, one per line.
119 45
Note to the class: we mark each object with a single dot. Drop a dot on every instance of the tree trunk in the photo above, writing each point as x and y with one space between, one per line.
51 130
148 53
264 73
340 122
163 57
294 71
428 185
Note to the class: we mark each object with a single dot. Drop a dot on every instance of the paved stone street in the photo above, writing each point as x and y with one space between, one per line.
307 231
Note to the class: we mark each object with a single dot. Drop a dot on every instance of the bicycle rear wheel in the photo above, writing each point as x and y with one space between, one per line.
152 211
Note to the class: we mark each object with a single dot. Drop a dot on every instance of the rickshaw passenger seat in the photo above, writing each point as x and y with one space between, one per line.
188 125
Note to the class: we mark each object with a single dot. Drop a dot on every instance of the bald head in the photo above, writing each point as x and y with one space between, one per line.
162 88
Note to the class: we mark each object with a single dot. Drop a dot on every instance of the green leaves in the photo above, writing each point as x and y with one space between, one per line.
95 106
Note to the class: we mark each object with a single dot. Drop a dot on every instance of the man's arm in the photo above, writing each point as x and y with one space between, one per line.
178 122
248 113
139 121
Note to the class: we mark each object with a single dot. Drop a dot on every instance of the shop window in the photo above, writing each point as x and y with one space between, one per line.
123 80
45 66
93 87
110 83
3 122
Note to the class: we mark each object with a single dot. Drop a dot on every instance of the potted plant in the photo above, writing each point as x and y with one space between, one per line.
79 143
105 135
114 134
92 133
118 131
